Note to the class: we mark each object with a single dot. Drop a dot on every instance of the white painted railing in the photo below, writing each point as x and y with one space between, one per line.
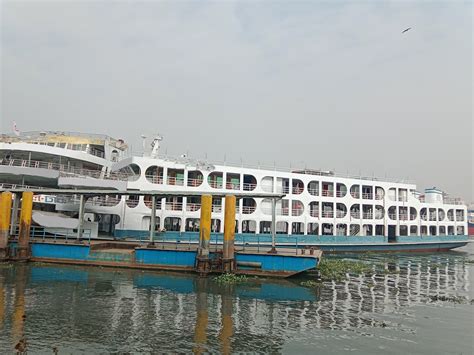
328 193
195 182
175 181
248 209
193 207
174 206
249 187
355 214
64 170
327 214
155 179
215 184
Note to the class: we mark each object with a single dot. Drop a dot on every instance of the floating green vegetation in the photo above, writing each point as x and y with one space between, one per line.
230 279
310 283
337 269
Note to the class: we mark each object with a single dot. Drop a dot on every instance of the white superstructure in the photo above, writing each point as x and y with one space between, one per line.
316 202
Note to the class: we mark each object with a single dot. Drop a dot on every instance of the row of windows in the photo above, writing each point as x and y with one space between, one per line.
246 182
296 208
282 227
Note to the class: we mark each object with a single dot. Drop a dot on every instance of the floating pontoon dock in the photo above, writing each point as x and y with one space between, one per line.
159 255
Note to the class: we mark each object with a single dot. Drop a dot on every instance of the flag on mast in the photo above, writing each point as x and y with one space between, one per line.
15 129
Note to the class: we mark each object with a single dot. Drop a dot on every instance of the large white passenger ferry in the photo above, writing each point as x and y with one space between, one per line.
333 207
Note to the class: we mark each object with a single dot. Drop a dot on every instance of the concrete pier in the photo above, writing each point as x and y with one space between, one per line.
25 224
228 262
202 261
5 211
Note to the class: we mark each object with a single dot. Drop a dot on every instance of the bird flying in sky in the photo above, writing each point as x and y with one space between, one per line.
408 29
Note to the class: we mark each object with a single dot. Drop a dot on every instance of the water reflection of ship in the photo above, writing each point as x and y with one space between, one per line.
221 318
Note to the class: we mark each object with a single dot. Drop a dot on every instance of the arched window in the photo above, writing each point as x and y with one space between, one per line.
379 193
355 211
195 178
148 203
314 209
267 184
341 210
297 208
341 190
392 212
441 214
250 182
313 188
154 174
132 201
379 212
249 205
297 186
355 191
424 214
215 180
131 172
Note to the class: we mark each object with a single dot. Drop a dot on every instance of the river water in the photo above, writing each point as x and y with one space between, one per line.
420 304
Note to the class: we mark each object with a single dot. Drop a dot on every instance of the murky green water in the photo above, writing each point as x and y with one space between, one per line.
97 310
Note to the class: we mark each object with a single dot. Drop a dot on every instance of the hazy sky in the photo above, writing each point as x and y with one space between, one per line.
335 85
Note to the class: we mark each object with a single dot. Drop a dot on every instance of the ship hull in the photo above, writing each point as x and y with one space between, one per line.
328 244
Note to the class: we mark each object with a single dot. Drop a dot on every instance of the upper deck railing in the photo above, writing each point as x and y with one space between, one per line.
291 169
63 169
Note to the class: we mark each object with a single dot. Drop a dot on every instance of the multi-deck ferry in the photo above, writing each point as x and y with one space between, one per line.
322 209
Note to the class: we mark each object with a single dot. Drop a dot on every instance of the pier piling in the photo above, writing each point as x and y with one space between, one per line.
80 218
273 249
152 222
14 216
202 262
229 234
5 211
25 224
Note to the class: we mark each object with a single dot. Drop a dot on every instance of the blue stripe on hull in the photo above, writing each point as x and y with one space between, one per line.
392 247
327 243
